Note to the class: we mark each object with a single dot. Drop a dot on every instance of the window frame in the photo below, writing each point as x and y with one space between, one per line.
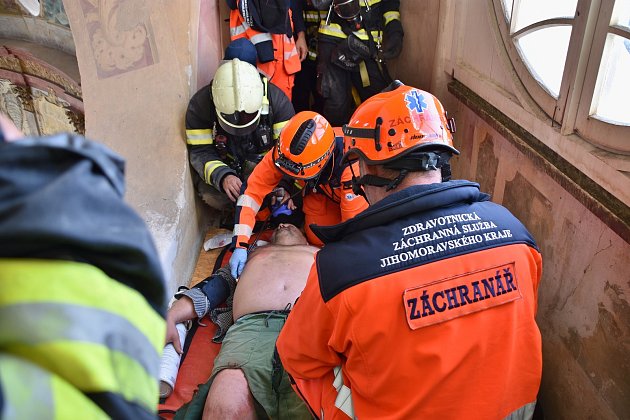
571 110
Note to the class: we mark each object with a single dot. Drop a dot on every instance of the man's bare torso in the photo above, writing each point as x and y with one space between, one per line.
273 277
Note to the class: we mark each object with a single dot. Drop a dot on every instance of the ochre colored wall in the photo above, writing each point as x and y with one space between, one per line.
583 309
549 181
138 68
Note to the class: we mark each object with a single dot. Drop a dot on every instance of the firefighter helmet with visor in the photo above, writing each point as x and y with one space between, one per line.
347 9
237 93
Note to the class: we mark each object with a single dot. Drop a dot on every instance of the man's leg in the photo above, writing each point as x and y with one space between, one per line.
229 397
334 86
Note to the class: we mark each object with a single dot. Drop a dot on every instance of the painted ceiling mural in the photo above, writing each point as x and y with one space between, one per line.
42 99
120 34
39 98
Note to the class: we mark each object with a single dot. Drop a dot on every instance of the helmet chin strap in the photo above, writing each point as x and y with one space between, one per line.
425 161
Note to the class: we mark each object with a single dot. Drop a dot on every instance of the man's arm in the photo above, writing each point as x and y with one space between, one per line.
282 109
392 29
203 154
261 182
299 28
182 310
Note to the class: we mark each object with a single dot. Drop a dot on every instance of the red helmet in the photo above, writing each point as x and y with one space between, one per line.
305 145
392 124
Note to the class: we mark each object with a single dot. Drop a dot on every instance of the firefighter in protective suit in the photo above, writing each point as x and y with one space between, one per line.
305 94
353 45
230 124
309 153
422 306
82 292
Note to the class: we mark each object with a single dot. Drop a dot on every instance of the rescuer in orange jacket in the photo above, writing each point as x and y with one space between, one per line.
277 32
309 153
422 306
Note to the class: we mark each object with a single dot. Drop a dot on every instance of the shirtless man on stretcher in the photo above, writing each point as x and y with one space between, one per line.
247 378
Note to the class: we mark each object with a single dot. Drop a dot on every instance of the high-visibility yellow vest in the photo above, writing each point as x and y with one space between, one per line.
75 343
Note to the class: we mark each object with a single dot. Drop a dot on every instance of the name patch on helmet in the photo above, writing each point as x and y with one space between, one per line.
461 295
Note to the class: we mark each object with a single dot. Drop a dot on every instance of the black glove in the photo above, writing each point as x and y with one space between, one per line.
392 40
344 57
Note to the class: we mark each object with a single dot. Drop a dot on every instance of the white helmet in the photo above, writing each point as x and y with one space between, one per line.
237 93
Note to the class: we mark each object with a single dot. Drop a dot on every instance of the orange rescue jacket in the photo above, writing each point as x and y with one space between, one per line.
427 303
328 205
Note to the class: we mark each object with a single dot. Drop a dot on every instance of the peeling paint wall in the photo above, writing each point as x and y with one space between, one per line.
138 70
583 311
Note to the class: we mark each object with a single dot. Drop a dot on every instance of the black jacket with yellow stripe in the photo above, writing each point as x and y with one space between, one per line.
212 152
82 291
382 16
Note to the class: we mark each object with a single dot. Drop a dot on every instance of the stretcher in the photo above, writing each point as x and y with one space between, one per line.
199 350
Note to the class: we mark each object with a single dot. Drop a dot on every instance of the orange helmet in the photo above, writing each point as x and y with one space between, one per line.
392 124
305 145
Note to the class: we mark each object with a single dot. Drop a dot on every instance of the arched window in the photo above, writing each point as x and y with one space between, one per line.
31 6
573 57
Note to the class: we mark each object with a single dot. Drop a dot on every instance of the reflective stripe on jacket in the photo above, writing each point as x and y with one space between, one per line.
332 204
427 300
381 14
202 128
82 290
77 324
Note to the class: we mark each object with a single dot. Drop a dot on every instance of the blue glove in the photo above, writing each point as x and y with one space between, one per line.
237 261
279 209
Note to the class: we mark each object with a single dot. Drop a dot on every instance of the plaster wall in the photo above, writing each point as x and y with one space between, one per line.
583 313
138 69
583 310
415 64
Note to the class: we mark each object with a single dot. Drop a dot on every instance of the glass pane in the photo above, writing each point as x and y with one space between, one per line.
610 102
32 6
532 11
507 9
621 14
544 53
